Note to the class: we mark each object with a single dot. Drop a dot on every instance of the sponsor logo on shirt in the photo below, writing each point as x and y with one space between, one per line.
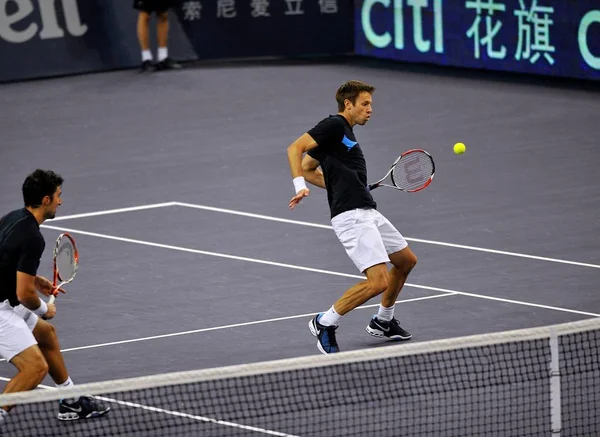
348 142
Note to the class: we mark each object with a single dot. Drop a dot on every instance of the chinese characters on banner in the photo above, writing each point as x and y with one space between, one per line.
550 37
247 28
191 9
533 27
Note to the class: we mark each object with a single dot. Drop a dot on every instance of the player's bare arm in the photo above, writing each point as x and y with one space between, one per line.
295 152
45 286
27 295
311 171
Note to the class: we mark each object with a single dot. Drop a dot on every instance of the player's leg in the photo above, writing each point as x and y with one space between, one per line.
162 36
143 32
376 283
357 231
403 260
83 407
18 346
31 367
45 334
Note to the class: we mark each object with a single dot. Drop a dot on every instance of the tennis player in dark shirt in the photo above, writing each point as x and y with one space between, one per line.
26 340
329 156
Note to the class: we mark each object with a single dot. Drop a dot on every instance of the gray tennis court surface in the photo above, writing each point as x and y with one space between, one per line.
213 269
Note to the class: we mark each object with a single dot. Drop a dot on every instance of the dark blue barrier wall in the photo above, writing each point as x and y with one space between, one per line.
549 37
236 28
40 38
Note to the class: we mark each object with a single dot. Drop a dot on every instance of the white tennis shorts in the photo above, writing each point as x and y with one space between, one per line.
16 326
367 236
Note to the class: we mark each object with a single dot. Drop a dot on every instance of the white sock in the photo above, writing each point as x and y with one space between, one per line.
146 55
3 414
330 318
68 383
385 314
163 53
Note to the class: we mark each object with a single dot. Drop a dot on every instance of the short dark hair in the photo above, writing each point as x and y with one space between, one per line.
350 90
39 184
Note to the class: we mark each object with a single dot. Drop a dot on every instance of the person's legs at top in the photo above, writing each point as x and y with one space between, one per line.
144 8
162 36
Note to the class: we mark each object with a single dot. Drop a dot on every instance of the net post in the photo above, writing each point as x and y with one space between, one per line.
555 403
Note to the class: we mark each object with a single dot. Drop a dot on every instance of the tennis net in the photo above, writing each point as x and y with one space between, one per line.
534 382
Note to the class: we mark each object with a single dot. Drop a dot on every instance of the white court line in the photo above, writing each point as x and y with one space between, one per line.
236 325
112 211
178 414
308 269
317 225
418 240
201 418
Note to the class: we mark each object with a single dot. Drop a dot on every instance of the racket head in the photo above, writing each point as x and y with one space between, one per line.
413 170
65 259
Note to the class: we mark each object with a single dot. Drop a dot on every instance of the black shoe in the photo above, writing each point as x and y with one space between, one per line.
326 343
391 329
168 64
84 408
148 67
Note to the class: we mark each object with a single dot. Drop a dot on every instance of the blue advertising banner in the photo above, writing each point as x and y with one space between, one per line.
547 37
240 28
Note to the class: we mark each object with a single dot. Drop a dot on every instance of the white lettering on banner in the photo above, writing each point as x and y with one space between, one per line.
534 32
226 9
294 7
490 31
328 6
421 43
50 26
384 39
191 10
588 19
259 8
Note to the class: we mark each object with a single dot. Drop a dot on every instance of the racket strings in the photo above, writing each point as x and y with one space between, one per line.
66 263
412 171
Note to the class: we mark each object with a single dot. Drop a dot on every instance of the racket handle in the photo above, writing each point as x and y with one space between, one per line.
372 186
52 299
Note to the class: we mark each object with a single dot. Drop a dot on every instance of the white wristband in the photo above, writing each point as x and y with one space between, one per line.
299 184
42 309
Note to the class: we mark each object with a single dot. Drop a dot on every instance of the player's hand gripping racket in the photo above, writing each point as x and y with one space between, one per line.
411 172
66 262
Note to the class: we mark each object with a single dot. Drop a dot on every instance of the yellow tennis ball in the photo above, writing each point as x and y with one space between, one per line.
459 148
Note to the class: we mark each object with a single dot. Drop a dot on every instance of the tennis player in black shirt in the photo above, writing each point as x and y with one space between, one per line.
328 156
27 341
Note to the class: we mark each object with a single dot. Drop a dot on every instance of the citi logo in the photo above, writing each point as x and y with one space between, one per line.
15 14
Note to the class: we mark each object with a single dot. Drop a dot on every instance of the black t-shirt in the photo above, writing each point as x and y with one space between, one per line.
343 164
21 247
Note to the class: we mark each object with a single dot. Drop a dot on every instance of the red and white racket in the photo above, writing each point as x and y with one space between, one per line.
66 262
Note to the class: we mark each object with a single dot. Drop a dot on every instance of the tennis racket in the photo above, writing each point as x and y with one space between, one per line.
411 172
66 262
